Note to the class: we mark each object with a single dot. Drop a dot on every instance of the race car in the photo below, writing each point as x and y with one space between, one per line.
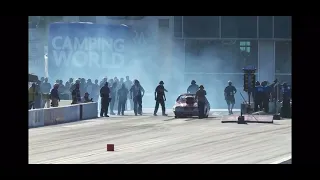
187 106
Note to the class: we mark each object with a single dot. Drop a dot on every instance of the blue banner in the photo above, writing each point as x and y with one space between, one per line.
87 50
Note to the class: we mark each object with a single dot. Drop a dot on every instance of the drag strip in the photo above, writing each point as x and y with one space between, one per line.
154 140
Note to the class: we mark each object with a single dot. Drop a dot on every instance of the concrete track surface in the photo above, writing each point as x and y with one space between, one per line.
160 140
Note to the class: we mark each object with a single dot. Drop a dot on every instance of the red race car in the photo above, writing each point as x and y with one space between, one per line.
187 106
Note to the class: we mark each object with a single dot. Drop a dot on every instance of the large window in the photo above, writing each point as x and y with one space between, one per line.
283 56
177 29
265 27
282 27
201 26
215 56
239 26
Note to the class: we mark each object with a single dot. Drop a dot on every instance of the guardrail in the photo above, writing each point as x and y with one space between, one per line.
65 114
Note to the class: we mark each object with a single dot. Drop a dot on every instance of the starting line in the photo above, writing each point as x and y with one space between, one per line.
248 119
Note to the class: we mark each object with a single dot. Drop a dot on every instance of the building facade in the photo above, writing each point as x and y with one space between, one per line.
225 44
211 47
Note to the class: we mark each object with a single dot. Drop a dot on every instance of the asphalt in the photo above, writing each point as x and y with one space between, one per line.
161 140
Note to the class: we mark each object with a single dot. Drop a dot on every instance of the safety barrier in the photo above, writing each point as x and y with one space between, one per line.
88 110
36 118
65 114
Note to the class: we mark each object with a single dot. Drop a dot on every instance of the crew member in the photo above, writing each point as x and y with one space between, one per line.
258 94
193 88
54 96
267 89
229 92
201 99
136 93
76 96
104 94
160 98
122 98
286 98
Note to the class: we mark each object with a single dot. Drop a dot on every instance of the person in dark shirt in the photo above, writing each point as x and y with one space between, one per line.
76 96
201 99
122 98
193 88
104 94
54 96
136 93
160 98
258 94
229 92
267 90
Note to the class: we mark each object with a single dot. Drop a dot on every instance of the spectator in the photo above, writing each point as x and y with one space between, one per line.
54 96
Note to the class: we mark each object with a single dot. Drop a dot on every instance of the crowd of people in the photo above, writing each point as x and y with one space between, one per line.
263 93
115 94
79 91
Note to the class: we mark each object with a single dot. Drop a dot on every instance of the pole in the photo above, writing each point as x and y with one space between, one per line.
277 99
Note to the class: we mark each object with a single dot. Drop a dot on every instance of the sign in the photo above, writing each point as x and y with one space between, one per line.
249 68
91 50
